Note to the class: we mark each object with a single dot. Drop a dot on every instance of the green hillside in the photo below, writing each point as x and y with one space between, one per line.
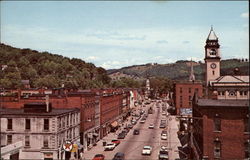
181 69
44 69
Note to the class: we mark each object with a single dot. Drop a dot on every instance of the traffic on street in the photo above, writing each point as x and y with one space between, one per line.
150 133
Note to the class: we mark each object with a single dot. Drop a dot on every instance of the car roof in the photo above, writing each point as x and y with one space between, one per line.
119 154
147 147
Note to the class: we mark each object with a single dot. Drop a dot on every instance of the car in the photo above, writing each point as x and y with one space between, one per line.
164 136
133 122
163 153
121 135
146 150
151 126
119 156
163 113
163 125
116 142
136 132
109 146
130 126
142 121
99 157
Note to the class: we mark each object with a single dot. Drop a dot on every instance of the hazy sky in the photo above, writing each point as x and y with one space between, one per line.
114 34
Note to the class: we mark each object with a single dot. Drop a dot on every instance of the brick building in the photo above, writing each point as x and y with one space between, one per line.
221 129
183 95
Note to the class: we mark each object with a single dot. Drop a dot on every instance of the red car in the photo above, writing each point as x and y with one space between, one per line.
116 141
99 157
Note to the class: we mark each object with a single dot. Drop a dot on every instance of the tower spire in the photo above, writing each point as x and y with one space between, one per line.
192 77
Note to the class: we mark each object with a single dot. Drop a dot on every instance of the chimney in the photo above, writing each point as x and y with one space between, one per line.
47 103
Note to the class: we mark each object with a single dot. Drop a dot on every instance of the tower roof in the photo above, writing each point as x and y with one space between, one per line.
212 35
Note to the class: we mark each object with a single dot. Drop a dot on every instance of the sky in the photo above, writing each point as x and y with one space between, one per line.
114 34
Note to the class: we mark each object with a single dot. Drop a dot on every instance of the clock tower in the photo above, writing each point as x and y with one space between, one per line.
212 57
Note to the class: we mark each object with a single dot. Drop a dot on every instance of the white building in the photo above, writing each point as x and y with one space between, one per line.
42 130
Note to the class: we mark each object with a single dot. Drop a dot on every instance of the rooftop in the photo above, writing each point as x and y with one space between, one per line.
222 103
20 112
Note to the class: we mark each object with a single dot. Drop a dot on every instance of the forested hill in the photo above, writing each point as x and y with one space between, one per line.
44 69
180 70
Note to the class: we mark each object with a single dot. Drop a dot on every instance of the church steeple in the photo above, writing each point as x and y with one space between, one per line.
212 36
191 76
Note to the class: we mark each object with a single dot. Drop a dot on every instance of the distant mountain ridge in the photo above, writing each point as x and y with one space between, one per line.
180 70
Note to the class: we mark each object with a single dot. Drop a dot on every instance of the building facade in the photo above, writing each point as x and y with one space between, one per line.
42 129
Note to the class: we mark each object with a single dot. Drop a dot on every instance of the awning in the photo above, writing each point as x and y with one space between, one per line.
114 124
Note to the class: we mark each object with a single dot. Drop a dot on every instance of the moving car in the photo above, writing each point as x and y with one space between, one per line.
146 150
109 146
162 125
119 156
164 136
121 135
99 157
151 126
163 153
136 132
116 142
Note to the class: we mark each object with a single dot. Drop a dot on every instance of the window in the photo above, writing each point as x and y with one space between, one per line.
241 93
45 142
217 148
46 124
245 93
27 124
217 123
223 93
246 124
9 139
180 90
9 125
213 72
196 90
232 93
189 90
247 148
27 141
59 122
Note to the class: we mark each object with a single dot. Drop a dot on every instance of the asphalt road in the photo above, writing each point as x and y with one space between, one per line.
132 145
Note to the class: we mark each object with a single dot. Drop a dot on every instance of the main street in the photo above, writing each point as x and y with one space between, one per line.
132 145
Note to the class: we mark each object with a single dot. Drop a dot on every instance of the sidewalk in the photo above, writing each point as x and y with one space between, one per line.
174 140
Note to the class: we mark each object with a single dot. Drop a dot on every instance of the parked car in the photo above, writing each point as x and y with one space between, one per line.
119 156
109 146
116 142
130 126
99 157
146 150
136 132
151 126
121 135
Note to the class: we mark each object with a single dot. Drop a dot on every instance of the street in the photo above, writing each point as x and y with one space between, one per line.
132 145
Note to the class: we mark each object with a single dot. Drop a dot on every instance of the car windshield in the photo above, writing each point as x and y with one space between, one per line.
146 147
163 152
99 155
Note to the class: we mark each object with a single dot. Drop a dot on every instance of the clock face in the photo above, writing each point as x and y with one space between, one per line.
213 65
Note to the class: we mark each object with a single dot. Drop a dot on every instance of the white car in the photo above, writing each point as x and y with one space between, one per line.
109 146
142 121
146 150
151 126
164 136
